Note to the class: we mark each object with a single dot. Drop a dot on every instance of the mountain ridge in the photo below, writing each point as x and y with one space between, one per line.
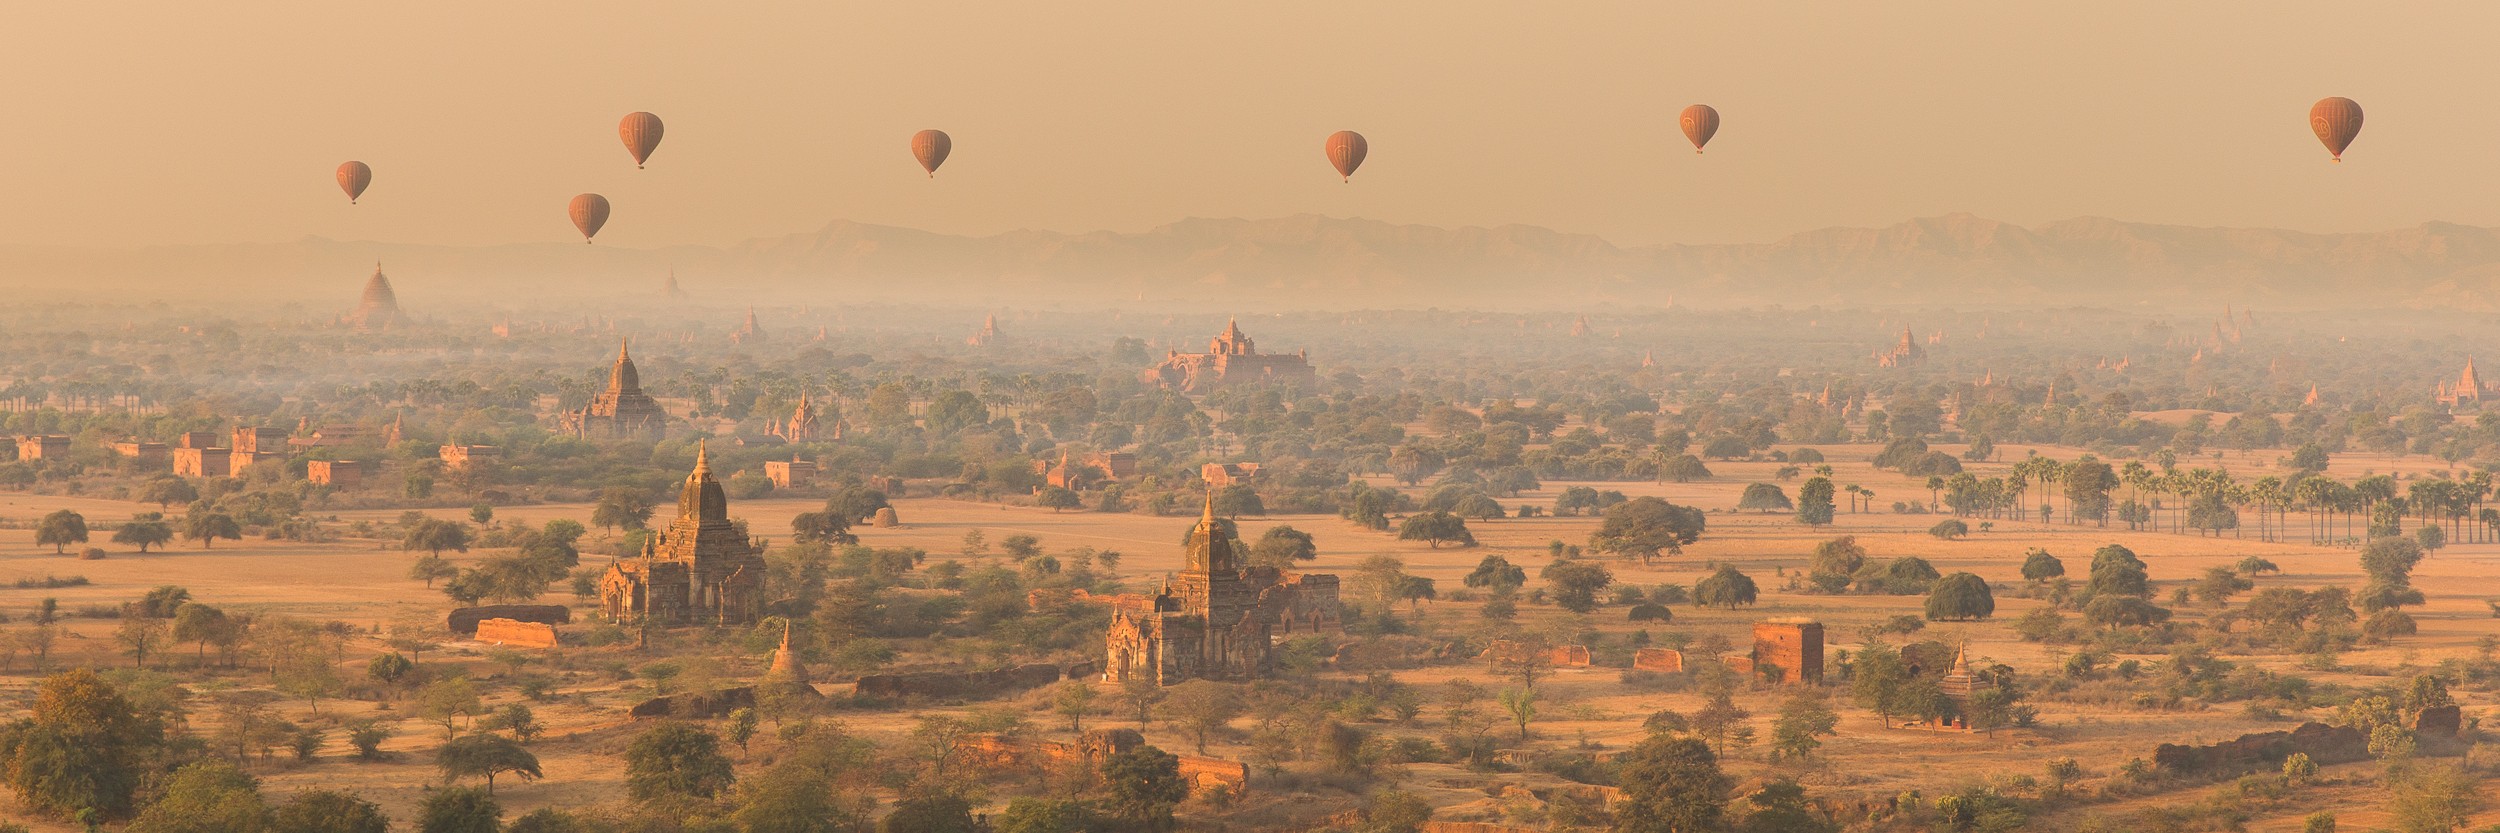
1954 258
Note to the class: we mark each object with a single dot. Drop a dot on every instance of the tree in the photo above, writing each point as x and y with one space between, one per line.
459 810
1726 589
201 624
1804 717
389 668
429 567
1645 527
328 811
83 747
936 813
1046 815
162 602
1576 583
434 535
1282 547
1435 528
822 527
1876 678
1949 529
1814 501
1781 807
2432 798
1142 786
1201 708
676 760
139 636
1835 563
208 796
2039 565
1671 784
1395 811
1074 701
207 527
621 508
61 529
166 491
1496 573
485 755
1684 468
1520 704
1960 597
1141 695
146 529
1058 499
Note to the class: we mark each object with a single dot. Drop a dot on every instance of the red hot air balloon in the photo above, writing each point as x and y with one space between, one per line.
641 132
353 177
1346 150
2336 120
1701 121
590 211
931 148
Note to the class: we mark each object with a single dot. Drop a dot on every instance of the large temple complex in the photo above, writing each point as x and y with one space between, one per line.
2468 389
1231 359
622 412
1217 619
701 569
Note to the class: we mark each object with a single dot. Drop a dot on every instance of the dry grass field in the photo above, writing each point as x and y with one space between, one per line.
363 582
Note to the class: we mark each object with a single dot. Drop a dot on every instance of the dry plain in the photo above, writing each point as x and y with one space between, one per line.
363 582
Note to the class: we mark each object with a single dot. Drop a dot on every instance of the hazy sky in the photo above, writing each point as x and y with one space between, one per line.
188 122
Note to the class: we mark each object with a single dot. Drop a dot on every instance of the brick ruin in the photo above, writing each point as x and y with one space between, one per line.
1785 652
464 621
992 751
514 633
1505 652
1658 659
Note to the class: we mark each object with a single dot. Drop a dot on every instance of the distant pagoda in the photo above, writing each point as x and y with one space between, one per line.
379 309
622 412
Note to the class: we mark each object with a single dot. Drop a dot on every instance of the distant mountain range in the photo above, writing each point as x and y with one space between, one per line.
1311 261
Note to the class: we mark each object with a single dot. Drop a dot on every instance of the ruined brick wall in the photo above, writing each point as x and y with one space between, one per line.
2266 750
1568 656
464 620
1658 659
950 684
1794 646
516 634
1206 773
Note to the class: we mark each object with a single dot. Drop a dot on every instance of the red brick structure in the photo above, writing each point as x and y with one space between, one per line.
196 439
622 412
459 456
793 474
1231 359
513 633
341 474
1217 618
43 447
1220 475
701 569
1088 471
1791 649
191 461
1658 659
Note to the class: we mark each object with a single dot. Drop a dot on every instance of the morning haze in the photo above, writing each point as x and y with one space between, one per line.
990 418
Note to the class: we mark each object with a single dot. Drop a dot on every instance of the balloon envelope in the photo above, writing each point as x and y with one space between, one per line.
931 148
590 211
1346 150
1701 121
353 177
641 132
2336 120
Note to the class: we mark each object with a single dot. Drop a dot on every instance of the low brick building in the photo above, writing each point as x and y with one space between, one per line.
342 474
791 474
459 456
203 462
43 447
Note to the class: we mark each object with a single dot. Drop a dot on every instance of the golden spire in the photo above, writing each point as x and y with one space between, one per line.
702 466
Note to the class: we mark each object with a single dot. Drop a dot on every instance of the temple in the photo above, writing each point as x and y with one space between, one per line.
622 412
702 568
1216 619
1903 354
1231 359
379 309
2468 389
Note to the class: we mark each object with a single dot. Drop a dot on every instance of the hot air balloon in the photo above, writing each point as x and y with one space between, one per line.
1701 121
2336 120
590 211
353 177
641 132
931 148
1346 150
